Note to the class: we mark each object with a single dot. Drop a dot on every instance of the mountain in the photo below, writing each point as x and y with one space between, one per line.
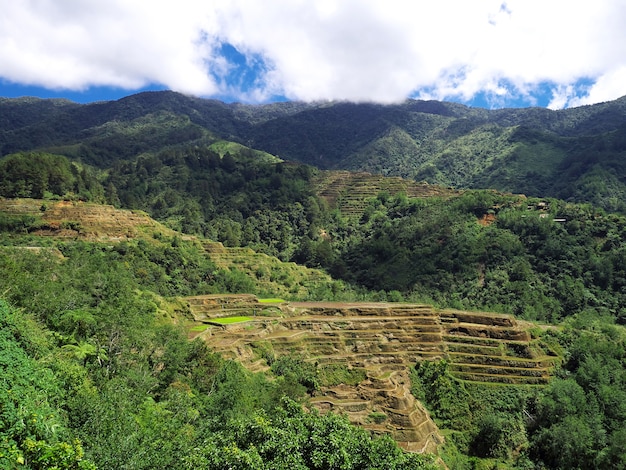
99 300
575 154
108 131
531 151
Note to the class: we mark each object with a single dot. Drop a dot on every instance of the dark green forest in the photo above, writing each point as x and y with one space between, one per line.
576 421
574 154
540 259
96 372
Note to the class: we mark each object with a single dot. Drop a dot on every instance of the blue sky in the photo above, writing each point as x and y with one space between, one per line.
486 53
541 97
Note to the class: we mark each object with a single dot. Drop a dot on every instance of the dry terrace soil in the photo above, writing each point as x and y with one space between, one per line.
384 340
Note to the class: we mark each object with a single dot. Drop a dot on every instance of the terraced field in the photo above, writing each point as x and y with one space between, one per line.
349 191
270 274
84 220
105 223
384 340
378 341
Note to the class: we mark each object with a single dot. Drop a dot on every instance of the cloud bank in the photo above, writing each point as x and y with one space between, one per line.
357 50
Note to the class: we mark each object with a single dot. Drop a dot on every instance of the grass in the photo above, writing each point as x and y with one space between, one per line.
199 328
271 301
335 374
223 146
377 417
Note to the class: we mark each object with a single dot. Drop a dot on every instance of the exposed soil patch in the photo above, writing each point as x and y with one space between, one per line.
487 219
76 219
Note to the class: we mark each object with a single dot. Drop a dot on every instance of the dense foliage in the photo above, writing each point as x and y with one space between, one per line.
37 175
541 259
575 422
519 261
34 430
574 154
240 200
95 373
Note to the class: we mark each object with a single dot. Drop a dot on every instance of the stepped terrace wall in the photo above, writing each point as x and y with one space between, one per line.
83 220
385 340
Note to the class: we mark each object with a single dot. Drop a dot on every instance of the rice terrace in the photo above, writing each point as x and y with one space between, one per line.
380 341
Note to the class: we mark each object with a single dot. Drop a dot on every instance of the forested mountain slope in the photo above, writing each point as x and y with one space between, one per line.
97 368
92 344
538 258
574 154
98 371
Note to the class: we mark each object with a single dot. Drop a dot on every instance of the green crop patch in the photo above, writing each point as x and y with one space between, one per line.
199 328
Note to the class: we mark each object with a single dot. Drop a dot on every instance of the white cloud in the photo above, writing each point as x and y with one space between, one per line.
607 87
323 49
75 44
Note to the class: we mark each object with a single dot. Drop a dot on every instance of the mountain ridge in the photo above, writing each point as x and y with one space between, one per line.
534 151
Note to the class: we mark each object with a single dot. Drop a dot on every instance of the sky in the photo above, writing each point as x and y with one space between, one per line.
486 53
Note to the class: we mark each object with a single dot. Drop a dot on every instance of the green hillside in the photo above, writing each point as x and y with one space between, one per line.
573 154
98 369
450 277
538 258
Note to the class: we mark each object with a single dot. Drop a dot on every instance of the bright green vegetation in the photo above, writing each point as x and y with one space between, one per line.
302 374
102 328
95 374
574 422
335 374
199 328
271 301
34 429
